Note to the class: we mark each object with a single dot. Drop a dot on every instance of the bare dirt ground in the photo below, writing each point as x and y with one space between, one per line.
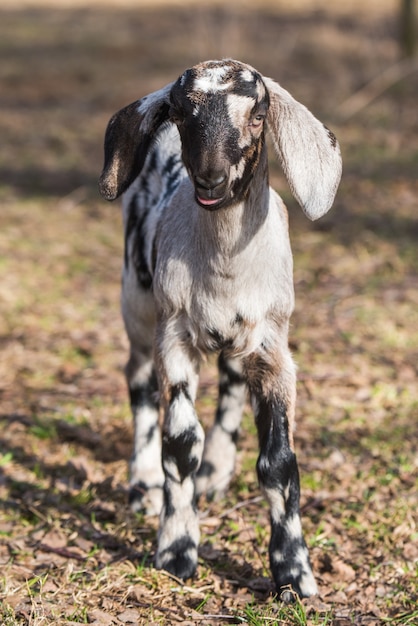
70 549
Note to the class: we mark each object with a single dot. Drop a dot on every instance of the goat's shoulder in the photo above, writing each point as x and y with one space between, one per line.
160 177
146 200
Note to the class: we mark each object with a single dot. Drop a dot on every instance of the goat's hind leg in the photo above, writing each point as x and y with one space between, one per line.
218 462
146 477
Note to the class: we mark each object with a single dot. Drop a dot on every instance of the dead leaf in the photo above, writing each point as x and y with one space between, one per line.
101 618
130 616
343 571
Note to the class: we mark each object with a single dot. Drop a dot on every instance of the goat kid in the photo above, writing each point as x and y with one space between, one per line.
208 267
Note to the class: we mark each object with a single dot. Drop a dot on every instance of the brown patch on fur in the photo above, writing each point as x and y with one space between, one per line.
252 154
230 65
197 97
269 377
252 151
270 373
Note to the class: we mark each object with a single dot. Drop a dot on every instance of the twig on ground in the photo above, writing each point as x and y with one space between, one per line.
239 505
64 552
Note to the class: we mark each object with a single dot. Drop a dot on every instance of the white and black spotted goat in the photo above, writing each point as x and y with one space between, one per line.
208 267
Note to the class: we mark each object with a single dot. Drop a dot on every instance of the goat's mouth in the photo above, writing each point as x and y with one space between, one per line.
209 203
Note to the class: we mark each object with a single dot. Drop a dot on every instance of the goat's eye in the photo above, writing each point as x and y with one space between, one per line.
257 121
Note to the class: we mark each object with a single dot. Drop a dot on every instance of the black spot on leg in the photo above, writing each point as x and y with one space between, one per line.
272 423
278 473
234 436
178 449
206 469
151 433
145 394
179 389
277 465
169 508
142 396
233 377
229 381
138 492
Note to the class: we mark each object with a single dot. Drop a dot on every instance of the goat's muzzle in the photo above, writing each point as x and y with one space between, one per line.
211 189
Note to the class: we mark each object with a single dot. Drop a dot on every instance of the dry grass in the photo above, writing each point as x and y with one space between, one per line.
70 549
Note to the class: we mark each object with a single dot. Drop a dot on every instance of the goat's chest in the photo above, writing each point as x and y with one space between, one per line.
228 304
222 278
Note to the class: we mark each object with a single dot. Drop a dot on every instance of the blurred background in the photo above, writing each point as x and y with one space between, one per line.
65 68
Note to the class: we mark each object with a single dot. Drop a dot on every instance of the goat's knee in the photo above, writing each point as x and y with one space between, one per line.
181 453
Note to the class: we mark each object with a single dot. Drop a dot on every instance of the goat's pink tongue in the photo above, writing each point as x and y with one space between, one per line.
207 202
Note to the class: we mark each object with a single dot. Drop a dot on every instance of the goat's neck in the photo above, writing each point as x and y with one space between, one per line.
228 231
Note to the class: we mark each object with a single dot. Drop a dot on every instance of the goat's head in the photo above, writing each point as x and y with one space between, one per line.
220 109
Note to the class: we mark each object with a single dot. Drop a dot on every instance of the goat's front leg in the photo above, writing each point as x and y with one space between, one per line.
182 449
274 399
218 463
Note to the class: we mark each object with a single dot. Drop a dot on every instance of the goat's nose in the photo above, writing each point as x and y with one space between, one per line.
211 180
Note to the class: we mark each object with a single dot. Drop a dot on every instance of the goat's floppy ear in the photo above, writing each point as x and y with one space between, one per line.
128 137
308 152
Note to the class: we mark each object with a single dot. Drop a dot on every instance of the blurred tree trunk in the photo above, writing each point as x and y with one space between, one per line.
407 28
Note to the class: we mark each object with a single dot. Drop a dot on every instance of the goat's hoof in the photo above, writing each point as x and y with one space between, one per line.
181 567
146 499
302 586
287 595
179 559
